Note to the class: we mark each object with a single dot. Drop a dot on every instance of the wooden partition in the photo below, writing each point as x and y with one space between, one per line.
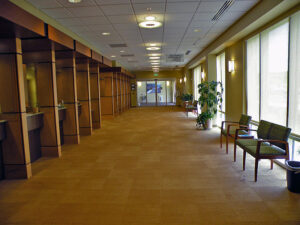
107 94
16 154
40 55
67 94
95 95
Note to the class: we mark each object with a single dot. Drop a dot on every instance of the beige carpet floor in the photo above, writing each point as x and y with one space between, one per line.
149 166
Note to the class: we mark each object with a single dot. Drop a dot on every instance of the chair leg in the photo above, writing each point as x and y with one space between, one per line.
256 168
221 139
271 164
244 159
234 152
226 144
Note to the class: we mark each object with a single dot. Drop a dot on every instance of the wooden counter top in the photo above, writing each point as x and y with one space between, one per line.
34 121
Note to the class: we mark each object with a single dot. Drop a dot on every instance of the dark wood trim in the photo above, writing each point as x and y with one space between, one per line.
82 49
60 38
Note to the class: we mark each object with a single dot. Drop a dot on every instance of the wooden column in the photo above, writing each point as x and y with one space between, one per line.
84 97
95 95
67 92
16 154
107 94
115 93
45 69
120 92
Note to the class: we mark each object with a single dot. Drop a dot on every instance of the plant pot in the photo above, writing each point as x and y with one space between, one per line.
208 124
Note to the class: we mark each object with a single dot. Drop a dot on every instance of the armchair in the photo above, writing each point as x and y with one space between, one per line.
230 130
272 143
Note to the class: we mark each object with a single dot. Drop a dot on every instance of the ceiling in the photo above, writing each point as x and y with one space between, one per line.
180 18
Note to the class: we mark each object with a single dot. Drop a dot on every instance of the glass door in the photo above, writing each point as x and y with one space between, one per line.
161 93
151 93
141 93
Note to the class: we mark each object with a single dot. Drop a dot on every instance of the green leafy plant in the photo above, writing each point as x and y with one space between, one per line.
186 97
210 99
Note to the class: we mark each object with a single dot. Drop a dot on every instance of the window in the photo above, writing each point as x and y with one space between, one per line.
253 90
221 76
273 79
274 71
294 75
197 81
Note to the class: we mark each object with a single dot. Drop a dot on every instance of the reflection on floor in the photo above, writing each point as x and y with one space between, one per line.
149 166
158 104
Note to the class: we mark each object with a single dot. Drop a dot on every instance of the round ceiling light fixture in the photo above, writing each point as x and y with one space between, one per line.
150 18
105 33
197 30
153 48
74 1
154 57
150 24
154 60
113 56
154 54
155 63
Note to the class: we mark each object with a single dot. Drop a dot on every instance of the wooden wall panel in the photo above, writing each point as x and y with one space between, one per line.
95 96
16 155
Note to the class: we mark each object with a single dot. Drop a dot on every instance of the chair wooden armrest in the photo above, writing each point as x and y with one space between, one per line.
236 136
260 141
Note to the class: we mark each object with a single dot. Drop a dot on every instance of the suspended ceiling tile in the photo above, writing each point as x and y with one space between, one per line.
66 3
182 7
211 6
112 2
45 4
178 17
70 21
86 11
122 9
58 13
244 5
120 19
94 20
156 8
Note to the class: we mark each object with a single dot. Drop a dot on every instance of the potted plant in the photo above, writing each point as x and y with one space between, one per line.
210 99
186 98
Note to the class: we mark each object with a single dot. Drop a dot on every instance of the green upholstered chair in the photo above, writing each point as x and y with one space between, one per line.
229 130
271 143
193 107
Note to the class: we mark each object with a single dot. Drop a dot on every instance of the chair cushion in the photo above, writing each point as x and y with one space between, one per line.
232 131
278 132
245 120
264 150
263 129
249 142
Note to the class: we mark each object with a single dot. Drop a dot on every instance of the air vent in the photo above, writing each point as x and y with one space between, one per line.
188 52
175 58
222 10
127 55
118 45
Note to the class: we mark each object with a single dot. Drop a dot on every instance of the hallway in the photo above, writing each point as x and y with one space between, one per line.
149 166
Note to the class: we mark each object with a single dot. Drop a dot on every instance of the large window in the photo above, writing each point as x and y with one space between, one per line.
273 79
253 69
274 69
294 74
197 81
221 76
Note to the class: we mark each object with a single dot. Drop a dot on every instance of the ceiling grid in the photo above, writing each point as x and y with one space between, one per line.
186 26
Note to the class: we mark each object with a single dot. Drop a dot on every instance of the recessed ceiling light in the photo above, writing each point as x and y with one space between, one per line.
153 48
113 56
155 63
150 24
150 18
105 33
122 51
74 1
197 30
154 54
154 57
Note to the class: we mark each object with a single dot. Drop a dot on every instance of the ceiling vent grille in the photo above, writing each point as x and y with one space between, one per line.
127 55
175 58
222 10
118 45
